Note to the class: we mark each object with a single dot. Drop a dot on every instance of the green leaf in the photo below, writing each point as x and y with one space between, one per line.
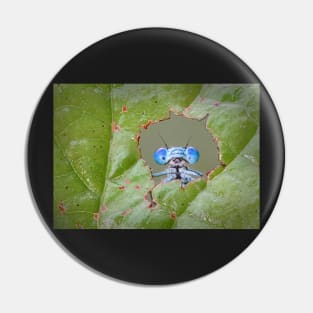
96 151
233 115
231 199
125 199
100 179
82 129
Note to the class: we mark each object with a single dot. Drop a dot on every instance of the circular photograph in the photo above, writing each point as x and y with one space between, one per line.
155 156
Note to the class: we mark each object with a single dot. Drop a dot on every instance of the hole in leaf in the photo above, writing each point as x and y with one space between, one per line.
176 131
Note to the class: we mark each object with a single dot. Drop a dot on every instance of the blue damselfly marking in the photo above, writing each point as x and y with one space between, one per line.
177 159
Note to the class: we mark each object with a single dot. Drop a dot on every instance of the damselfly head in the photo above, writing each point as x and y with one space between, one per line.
164 155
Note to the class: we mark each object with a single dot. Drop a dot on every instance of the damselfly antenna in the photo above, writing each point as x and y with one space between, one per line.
163 141
187 142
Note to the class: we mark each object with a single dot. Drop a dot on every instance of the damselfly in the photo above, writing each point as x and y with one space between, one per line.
177 159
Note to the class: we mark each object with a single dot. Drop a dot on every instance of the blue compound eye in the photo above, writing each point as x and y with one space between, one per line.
160 156
192 155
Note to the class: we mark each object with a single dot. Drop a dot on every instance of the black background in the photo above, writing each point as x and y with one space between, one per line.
154 56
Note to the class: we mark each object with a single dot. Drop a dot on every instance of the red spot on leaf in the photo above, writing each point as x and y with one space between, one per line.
215 139
146 197
124 108
173 216
217 104
61 208
137 138
126 212
127 181
79 226
208 173
137 187
115 127
145 126
96 216
152 205
103 208
121 187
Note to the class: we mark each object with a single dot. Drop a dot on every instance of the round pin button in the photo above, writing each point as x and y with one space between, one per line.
155 156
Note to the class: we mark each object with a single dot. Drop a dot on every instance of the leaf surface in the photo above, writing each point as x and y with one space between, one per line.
82 130
125 201
101 181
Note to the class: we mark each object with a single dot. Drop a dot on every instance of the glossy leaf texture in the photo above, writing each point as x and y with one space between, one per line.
101 181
